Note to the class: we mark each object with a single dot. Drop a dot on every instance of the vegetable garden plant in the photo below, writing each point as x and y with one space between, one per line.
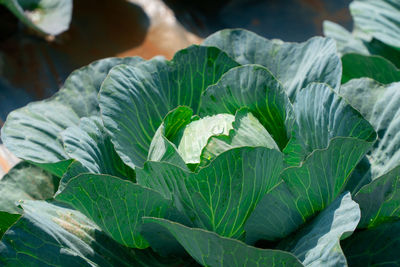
239 152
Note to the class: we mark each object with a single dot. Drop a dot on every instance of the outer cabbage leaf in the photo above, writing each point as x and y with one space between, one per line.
375 67
6 220
380 200
89 144
45 16
25 182
275 216
318 244
377 246
221 196
324 174
116 205
322 115
378 18
210 249
380 105
33 132
295 65
53 234
306 190
74 169
254 87
81 88
134 101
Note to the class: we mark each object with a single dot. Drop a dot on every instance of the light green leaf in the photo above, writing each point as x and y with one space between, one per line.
25 182
89 144
33 132
221 196
375 67
307 189
116 205
45 16
380 200
210 249
362 94
254 87
196 134
378 18
295 65
346 42
53 234
134 101
380 105
247 131
377 246
318 244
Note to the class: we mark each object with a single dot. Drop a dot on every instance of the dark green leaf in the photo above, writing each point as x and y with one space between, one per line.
380 200
307 189
378 246
6 220
116 205
318 244
210 249
275 216
324 174
375 67
254 87
221 196
53 234
75 168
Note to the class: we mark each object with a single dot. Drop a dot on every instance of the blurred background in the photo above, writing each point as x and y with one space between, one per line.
33 64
